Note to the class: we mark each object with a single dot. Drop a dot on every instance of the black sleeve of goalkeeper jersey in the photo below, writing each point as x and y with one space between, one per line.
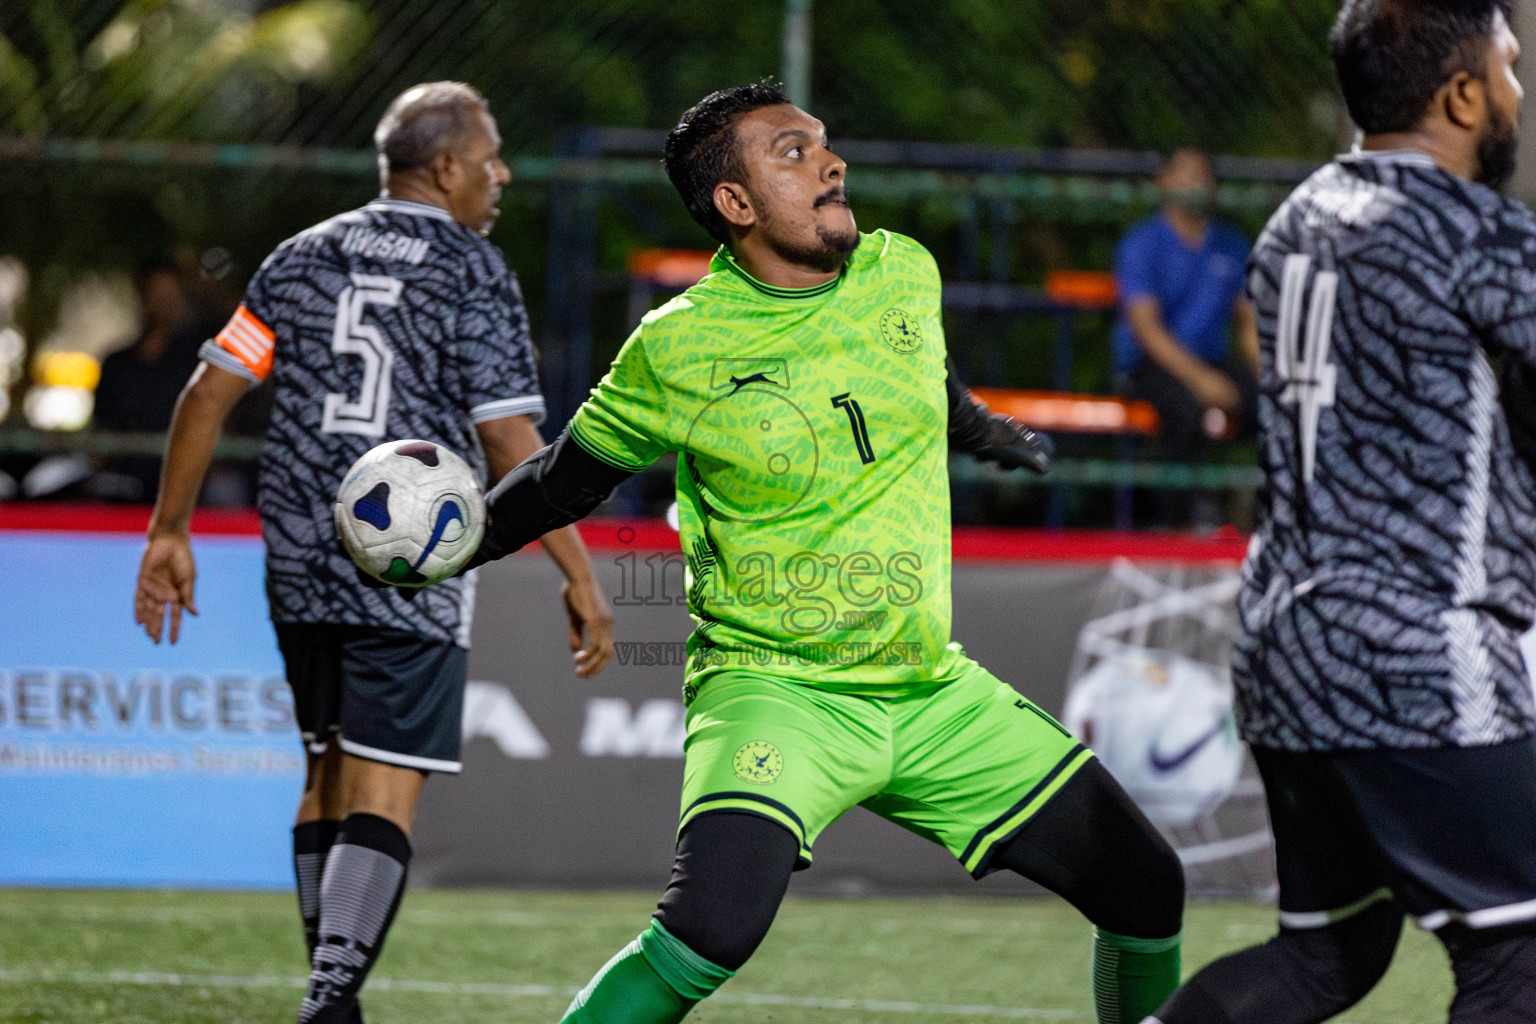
967 419
553 487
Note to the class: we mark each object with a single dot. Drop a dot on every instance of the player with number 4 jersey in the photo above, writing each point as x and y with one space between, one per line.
1395 568
1378 667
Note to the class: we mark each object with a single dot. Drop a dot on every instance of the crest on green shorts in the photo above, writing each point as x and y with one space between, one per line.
758 762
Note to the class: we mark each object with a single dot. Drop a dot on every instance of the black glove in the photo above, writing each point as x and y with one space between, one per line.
990 437
1012 445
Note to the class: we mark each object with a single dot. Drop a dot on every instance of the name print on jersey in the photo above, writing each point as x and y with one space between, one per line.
385 245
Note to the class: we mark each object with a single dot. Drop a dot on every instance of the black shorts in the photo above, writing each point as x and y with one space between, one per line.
1450 832
385 695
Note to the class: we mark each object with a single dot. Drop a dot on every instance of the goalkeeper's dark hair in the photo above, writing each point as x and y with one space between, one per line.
702 150
1392 56
425 120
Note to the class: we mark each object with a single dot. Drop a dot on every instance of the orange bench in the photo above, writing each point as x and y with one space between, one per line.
1072 414
670 269
676 269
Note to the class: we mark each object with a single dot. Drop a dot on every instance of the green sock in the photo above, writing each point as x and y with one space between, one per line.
1132 977
653 980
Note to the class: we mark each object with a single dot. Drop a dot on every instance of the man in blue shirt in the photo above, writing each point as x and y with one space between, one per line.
1180 278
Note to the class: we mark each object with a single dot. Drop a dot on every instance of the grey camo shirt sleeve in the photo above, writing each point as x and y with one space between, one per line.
1499 286
495 352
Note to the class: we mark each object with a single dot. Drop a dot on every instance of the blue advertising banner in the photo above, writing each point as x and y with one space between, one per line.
123 763
127 763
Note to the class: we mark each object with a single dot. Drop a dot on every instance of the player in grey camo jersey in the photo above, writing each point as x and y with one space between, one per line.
433 320
1395 567
396 320
1378 669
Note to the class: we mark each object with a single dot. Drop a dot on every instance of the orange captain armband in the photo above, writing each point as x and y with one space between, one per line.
249 340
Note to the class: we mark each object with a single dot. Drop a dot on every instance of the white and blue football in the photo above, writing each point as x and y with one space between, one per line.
1163 726
410 513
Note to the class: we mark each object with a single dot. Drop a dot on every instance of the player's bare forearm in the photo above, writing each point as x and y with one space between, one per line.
1246 327
1210 387
507 441
569 553
586 606
208 397
526 497
167 573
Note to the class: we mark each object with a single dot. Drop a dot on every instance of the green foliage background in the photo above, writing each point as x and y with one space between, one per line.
1243 76
1248 77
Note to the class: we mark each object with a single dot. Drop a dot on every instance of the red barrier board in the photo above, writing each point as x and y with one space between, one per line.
971 543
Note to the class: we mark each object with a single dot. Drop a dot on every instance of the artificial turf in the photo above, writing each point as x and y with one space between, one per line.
513 957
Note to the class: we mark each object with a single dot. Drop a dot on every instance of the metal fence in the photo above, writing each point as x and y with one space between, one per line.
1017 137
1244 76
291 91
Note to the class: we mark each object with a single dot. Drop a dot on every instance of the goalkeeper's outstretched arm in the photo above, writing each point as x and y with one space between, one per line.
988 436
553 487
564 482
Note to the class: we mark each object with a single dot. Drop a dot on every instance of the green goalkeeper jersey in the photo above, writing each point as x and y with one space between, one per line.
812 482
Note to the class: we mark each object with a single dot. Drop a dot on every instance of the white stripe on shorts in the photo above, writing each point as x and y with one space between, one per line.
1309 919
1488 917
426 764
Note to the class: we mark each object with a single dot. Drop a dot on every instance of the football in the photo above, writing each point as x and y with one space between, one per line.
1163 726
410 513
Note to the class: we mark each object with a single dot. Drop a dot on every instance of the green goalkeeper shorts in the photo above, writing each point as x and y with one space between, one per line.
966 762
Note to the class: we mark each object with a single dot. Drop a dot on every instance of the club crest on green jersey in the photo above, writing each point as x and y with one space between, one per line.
751 452
758 762
900 330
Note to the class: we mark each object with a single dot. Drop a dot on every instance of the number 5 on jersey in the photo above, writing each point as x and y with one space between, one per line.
1310 380
352 337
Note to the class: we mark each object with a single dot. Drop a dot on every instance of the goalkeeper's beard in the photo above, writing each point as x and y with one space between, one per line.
830 252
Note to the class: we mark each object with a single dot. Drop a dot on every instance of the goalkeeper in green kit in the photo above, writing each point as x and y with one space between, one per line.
805 387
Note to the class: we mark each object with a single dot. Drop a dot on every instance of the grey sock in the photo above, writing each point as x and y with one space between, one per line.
360 891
